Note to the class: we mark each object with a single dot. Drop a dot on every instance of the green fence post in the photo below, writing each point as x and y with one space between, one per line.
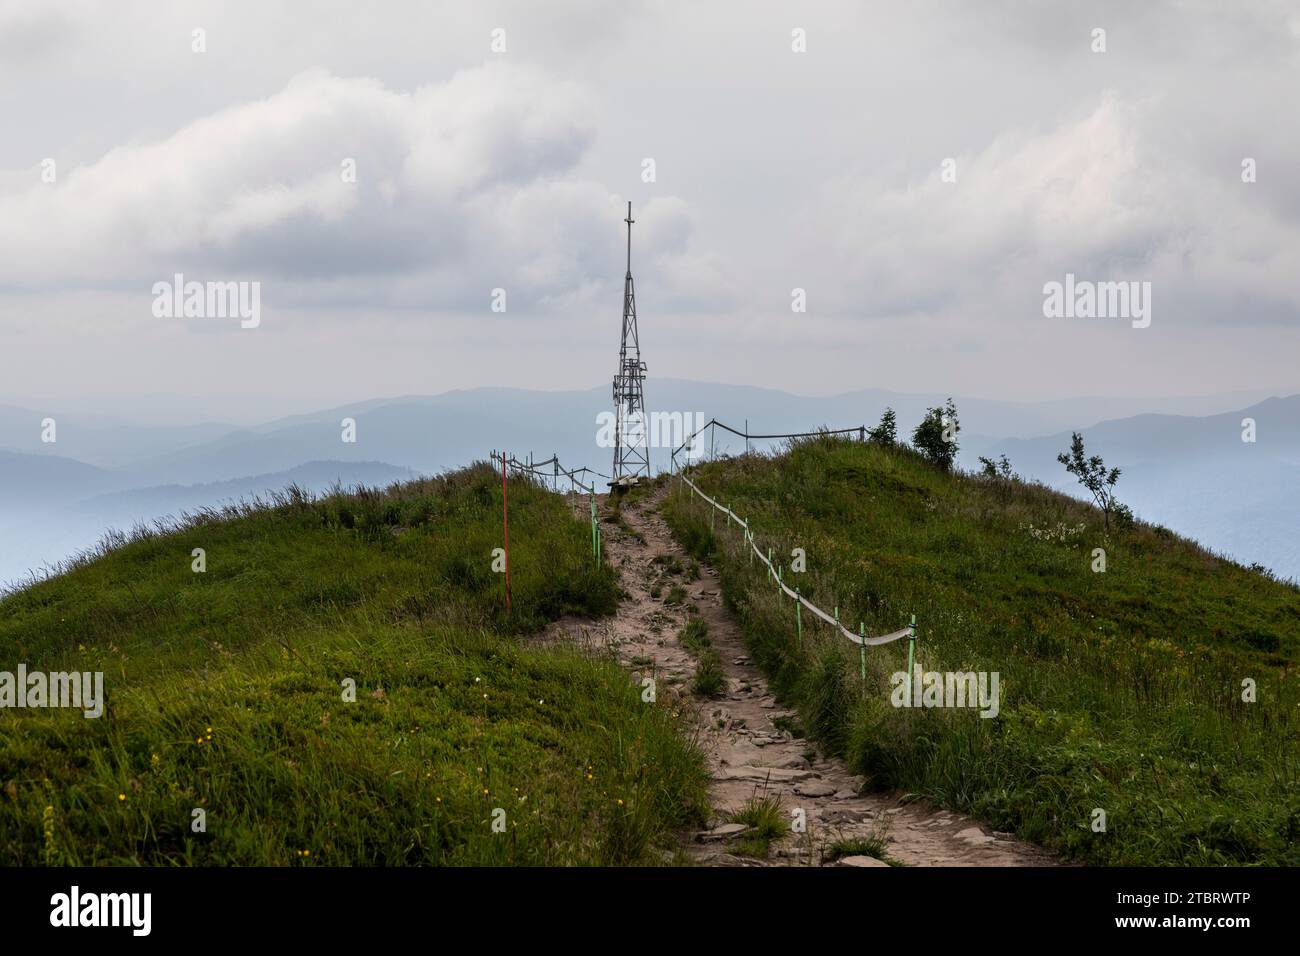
798 617
862 649
911 647
598 543
593 527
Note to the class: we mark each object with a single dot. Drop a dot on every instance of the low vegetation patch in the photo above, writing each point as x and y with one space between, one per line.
676 595
709 681
695 636
875 846
763 815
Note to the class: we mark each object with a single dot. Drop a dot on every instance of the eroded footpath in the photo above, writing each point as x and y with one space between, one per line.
748 737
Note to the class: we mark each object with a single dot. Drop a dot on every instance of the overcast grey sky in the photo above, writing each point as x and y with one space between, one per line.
775 170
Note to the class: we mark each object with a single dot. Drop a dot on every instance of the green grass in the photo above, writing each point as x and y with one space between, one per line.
762 813
1120 691
873 846
709 681
668 563
790 725
225 693
695 636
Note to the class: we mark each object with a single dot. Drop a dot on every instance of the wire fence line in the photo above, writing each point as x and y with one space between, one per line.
539 469
774 571
859 430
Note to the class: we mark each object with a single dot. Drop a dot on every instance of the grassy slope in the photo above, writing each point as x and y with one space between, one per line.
1120 690
224 693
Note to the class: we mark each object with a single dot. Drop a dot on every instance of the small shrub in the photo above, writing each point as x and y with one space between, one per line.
886 433
936 436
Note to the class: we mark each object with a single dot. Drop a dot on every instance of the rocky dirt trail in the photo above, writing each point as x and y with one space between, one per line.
746 733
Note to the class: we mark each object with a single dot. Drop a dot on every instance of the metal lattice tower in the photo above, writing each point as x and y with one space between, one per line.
631 445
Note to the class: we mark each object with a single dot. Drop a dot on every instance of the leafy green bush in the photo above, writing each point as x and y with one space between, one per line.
935 438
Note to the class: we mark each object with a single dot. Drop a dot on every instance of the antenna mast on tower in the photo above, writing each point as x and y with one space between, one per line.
631 448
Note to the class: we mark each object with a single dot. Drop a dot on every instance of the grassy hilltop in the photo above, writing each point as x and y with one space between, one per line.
225 694
1120 691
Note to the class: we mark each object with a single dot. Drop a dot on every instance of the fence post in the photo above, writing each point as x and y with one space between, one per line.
769 564
798 617
862 650
505 529
593 526
911 647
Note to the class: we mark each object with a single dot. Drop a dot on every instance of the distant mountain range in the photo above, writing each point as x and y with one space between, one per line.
1184 462
441 431
50 531
1196 475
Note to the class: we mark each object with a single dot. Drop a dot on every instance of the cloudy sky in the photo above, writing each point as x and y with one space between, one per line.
127 157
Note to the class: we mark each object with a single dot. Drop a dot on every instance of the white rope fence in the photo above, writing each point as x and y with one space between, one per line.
537 470
774 571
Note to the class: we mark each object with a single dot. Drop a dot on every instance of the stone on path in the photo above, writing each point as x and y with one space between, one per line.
814 788
974 836
763 773
723 832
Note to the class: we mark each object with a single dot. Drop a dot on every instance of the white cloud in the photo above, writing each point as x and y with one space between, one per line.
817 171
460 187
1094 196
